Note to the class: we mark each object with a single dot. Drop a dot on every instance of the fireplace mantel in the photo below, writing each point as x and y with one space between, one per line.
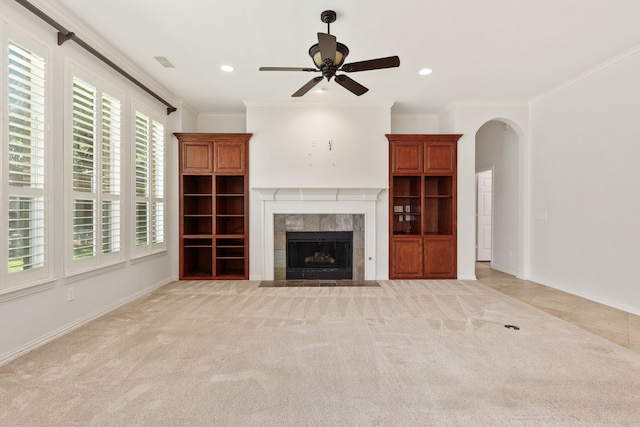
317 200
318 194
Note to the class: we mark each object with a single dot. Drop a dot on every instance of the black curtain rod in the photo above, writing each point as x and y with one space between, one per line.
64 35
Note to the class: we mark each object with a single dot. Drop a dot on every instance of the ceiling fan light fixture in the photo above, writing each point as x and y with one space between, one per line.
328 56
341 53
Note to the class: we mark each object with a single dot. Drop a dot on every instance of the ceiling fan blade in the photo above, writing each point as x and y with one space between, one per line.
286 69
328 46
350 84
306 88
372 64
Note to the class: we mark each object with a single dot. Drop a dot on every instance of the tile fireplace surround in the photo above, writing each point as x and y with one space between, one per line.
318 209
318 222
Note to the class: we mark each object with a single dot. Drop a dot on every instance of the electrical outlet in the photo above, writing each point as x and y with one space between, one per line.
70 295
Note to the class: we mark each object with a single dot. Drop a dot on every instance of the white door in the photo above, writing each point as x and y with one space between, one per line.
483 213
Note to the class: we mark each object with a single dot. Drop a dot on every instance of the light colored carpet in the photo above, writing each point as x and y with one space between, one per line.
408 353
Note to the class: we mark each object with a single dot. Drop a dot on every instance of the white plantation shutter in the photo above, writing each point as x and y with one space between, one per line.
96 176
25 180
111 132
149 184
26 233
83 129
142 180
157 176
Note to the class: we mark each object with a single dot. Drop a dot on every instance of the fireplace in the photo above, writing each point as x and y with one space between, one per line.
311 230
281 210
319 255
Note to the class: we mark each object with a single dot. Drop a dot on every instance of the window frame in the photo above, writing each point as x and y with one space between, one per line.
154 116
99 259
26 279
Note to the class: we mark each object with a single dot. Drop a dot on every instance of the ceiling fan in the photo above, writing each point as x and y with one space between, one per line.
328 56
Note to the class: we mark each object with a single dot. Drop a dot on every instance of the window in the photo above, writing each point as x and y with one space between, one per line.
95 176
149 183
25 209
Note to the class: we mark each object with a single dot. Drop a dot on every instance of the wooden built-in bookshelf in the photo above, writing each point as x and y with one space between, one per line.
422 206
214 206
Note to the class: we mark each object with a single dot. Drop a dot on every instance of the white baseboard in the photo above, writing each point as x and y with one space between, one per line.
587 295
504 269
51 336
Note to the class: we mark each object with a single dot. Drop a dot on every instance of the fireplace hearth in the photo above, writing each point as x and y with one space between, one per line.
319 255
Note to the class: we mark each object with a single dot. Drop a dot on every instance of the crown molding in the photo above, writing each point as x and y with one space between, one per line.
337 104
486 104
595 70
415 115
211 113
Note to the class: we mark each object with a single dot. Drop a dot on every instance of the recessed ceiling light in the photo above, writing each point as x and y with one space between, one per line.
425 71
227 68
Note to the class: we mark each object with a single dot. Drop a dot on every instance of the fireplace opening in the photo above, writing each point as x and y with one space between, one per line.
319 255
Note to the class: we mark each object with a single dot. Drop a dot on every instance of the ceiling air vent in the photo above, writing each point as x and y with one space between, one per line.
165 62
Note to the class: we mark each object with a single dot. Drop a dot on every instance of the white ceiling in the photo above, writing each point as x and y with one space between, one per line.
489 50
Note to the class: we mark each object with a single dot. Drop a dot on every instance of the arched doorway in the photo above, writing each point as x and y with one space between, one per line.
497 145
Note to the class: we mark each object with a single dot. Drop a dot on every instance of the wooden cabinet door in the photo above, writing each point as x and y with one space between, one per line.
440 158
406 258
407 158
196 157
439 257
230 157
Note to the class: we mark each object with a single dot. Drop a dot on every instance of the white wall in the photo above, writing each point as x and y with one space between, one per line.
415 123
585 180
290 145
497 150
467 118
236 123
221 123
319 146
29 320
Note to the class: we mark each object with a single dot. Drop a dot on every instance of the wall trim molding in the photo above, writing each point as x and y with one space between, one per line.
318 194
